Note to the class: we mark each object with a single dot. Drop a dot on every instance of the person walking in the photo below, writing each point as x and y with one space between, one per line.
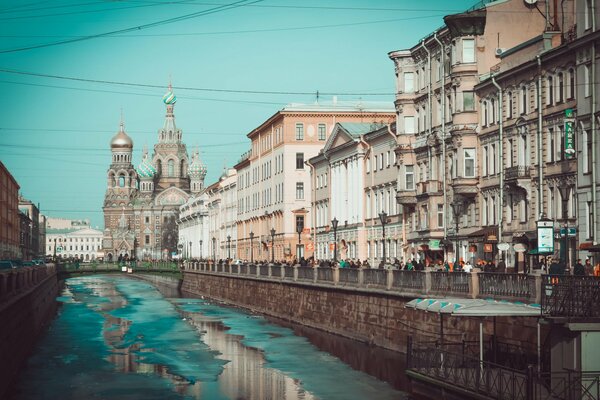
579 269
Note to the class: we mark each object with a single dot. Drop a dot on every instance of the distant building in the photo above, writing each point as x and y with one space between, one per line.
64 223
84 244
274 184
42 237
29 229
9 215
141 205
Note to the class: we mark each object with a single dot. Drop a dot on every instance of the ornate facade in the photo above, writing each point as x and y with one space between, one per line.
141 204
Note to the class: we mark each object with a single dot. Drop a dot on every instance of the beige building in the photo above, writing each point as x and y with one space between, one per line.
354 180
222 215
84 244
274 183
438 126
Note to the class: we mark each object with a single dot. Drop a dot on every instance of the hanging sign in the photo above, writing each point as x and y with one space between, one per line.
569 134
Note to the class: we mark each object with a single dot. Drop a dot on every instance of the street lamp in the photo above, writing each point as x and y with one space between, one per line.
214 240
273 245
190 253
229 247
251 252
565 192
457 209
201 249
383 218
299 232
334 225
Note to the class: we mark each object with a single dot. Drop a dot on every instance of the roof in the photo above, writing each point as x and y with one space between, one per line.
79 230
348 106
356 129
476 307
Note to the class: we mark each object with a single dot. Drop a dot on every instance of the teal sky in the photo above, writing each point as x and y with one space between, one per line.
55 133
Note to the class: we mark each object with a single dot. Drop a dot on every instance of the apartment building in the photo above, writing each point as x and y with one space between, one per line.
354 182
274 183
438 127
9 215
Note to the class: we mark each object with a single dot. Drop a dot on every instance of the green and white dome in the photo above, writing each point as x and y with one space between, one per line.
169 97
145 169
197 170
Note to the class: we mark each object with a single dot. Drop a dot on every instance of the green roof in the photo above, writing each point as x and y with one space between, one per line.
355 129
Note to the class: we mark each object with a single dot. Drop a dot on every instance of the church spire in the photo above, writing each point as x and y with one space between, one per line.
169 128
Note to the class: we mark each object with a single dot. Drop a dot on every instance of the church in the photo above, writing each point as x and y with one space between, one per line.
141 204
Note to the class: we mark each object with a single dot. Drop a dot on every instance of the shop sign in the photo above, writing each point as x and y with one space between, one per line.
488 248
545 236
434 244
569 133
520 248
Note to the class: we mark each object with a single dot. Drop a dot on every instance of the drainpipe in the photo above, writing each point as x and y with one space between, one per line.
428 95
594 141
501 151
539 140
443 94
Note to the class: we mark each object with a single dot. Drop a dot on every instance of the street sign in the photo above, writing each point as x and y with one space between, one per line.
572 232
503 246
487 248
569 133
310 246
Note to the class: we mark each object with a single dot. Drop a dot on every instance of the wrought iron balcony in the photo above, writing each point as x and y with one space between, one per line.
516 172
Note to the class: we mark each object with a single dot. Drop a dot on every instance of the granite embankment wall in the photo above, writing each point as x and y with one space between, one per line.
27 306
371 316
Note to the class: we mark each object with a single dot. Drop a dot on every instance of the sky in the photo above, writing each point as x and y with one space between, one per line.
70 69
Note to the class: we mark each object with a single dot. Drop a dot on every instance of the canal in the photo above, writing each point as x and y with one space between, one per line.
120 338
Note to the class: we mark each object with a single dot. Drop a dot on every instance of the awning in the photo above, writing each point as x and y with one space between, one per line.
589 246
475 307
537 252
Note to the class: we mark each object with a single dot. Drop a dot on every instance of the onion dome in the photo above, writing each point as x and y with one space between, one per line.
169 98
121 140
196 170
145 169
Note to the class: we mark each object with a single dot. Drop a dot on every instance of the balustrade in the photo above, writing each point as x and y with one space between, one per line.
502 285
375 277
264 270
450 282
275 271
348 276
13 281
325 274
306 274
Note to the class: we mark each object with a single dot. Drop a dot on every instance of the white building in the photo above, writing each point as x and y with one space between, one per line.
82 243
193 228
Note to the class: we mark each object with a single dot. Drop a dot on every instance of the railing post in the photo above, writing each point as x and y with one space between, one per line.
335 277
270 271
390 279
427 282
257 270
315 274
295 272
474 286
361 277
282 271
538 289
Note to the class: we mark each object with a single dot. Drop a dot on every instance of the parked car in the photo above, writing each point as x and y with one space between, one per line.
7 264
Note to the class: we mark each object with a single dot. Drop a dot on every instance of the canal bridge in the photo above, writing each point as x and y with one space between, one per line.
444 352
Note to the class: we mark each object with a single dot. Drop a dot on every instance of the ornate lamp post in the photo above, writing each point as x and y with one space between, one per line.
383 219
273 245
457 209
334 225
565 192
299 232
251 248
214 240
229 247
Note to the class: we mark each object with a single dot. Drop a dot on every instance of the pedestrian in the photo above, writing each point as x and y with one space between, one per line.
589 269
579 269
597 269
468 267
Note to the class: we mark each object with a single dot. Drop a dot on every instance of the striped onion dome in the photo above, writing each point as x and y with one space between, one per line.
197 170
145 169
169 97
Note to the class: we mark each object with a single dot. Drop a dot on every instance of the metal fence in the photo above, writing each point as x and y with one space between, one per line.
275 271
570 296
289 271
252 269
264 270
502 285
450 282
325 274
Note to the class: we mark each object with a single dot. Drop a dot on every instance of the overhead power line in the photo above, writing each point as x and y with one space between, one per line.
147 85
180 18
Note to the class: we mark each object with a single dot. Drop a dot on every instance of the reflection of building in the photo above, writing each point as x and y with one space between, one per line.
9 215
29 216
274 184
354 180
82 243
141 205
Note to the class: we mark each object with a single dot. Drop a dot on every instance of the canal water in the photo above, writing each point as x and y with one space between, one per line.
120 338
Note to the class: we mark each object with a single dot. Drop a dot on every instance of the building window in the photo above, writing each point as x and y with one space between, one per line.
587 81
484 169
171 168
550 92
322 135
147 220
523 103
571 83
409 84
468 47
587 152
440 215
587 16
469 160
381 161
468 101
387 159
509 112
299 131
560 88
410 177
589 211
147 239
484 107
409 124
299 190
551 148
299 160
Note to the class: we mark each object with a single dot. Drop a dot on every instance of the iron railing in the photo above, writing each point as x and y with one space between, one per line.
450 282
503 285
276 271
375 277
409 280
289 271
570 296
264 270
252 269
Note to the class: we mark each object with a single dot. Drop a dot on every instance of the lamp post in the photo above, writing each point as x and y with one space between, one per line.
229 247
383 219
214 240
200 249
457 208
334 225
273 245
565 192
190 253
299 232
251 249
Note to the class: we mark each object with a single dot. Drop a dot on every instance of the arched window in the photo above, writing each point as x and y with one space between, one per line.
171 168
159 167
561 88
121 181
571 83
182 169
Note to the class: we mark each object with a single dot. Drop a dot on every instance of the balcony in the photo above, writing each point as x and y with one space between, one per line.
465 186
517 177
429 188
406 197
